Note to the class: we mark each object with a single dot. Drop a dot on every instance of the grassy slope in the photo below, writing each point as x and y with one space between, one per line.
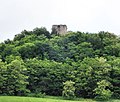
31 99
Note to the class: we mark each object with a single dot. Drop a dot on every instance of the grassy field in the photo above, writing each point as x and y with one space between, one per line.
47 99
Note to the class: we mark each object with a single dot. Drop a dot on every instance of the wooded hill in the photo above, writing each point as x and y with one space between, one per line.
75 65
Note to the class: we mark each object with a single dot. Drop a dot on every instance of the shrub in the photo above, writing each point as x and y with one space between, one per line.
40 95
68 90
101 91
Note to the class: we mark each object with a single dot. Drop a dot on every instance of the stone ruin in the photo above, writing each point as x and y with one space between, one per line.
59 29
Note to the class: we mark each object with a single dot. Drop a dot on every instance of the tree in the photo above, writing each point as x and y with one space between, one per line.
40 31
41 62
3 78
27 50
115 76
11 58
16 79
89 72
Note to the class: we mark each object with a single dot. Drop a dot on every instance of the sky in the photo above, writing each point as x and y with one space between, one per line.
79 15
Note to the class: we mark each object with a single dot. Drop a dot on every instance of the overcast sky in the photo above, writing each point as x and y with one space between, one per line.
78 15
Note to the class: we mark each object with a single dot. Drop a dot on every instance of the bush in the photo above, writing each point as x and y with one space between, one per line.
68 90
101 92
40 95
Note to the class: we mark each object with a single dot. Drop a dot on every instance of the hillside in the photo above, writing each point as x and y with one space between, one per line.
77 64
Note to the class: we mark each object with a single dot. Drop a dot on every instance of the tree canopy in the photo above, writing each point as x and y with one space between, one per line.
39 62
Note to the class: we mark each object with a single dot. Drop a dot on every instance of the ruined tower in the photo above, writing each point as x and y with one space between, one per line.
59 29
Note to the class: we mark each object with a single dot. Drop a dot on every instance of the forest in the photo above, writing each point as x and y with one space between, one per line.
77 64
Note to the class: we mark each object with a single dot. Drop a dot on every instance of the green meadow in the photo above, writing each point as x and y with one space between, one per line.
47 99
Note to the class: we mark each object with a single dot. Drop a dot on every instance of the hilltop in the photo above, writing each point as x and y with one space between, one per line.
77 64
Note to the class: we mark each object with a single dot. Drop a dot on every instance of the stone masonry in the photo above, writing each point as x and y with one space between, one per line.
59 29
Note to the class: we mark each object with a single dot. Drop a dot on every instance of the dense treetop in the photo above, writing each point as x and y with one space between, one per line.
39 62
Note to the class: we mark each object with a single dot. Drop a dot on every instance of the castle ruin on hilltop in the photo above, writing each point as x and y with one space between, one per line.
59 29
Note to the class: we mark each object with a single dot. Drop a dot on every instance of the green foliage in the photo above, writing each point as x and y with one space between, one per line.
16 79
68 90
39 95
115 76
46 76
89 72
101 91
40 31
38 62
3 78
11 58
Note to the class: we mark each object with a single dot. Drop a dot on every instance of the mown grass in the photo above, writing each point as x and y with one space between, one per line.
46 99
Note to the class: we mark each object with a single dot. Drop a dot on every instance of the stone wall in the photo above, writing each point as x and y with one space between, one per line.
59 29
